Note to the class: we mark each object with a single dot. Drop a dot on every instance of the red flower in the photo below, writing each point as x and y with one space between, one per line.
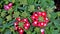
18 19
20 30
44 14
35 23
16 27
26 25
16 23
39 19
25 20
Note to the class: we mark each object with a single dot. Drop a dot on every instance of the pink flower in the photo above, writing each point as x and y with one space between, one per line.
6 7
10 4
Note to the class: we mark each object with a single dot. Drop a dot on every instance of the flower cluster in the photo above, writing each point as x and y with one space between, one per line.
20 27
7 7
39 19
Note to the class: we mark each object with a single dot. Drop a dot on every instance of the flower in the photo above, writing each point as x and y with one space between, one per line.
23 24
39 19
7 7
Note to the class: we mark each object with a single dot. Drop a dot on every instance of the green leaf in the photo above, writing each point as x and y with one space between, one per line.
10 11
7 31
51 3
47 31
0 5
57 23
12 1
6 1
55 32
28 32
1 20
21 8
37 29
9 24
24 14
24 2
30 20
30 1
21 24
51 28
16 14
8 17
49 24
49 15
33 32
53 16
31 8
3 14
15 32
49 9
58 13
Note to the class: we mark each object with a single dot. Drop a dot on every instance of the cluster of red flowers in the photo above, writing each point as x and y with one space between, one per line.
7 7
25 22
39 19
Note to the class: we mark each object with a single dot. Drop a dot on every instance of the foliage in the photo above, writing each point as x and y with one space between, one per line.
24 9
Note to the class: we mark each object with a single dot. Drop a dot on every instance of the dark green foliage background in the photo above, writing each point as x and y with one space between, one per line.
24 9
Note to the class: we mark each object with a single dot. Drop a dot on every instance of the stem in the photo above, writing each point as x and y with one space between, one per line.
42 31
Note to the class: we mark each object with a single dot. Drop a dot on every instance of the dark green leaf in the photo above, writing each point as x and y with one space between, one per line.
7 31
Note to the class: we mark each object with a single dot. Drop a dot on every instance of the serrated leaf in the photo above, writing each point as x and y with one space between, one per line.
16 14
49 24
47 31
24 14
31 8
4 22
10 11
8 17
33 32
53 16
21 24
7 31
57 23
49 15
49 9
55 32
23 2
37 29
58 13
51 3
3 14
30 1
28 32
